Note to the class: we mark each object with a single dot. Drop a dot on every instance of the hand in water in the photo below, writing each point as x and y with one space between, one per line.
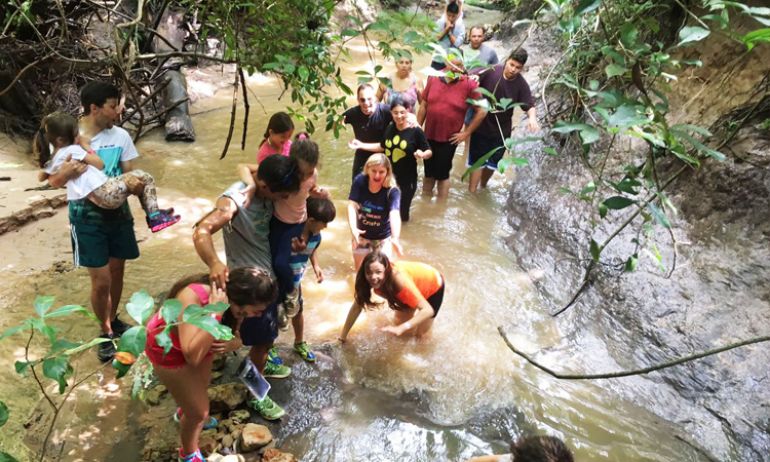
395 330
219 275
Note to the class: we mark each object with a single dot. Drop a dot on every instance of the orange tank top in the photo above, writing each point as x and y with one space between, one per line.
422 281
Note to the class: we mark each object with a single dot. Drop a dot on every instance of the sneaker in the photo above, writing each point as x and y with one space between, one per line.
291 303
272 356
161 220
118 326
267 408
303 350
106 350
194 457
212 422
276 371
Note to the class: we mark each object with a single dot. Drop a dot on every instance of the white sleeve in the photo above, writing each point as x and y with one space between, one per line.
129 150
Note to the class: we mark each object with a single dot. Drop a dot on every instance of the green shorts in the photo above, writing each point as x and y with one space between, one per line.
94 244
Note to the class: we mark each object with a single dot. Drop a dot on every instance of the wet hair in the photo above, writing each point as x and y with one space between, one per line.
322 210
305 150
389 290
399 100
280 122
453 7
279 173
541 449
520 55
54 125
380 159
97 93
363 86
245 286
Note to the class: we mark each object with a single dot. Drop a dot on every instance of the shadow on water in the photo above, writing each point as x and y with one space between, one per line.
456 394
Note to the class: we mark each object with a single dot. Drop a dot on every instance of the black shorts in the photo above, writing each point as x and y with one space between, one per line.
439 164
481 145
436 299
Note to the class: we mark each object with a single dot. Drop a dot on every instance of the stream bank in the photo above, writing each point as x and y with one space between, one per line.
717 293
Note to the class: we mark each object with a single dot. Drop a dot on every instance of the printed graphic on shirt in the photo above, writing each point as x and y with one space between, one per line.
394 148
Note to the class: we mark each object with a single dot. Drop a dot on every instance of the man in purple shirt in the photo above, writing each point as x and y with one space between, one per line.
504 81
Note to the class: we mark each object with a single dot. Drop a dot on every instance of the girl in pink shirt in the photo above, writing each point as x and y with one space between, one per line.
277 137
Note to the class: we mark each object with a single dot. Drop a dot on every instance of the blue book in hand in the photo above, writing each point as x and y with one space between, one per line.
253 380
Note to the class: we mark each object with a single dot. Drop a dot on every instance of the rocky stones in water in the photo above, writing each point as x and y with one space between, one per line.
227 397
276 455
253 437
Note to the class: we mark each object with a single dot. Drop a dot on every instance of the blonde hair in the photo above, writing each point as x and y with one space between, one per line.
377 160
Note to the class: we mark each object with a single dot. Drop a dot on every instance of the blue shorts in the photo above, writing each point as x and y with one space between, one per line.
261 330
480 145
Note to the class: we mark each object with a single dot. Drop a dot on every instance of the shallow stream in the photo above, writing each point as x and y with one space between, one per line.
457 394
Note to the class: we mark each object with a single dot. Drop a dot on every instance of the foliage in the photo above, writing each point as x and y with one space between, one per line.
57 362
619 60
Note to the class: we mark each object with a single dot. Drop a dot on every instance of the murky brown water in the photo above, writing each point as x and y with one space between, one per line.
457 394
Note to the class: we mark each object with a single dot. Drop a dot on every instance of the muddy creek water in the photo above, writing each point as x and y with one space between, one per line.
459 393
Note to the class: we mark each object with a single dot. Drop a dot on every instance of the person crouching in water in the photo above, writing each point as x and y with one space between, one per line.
186 369
414 290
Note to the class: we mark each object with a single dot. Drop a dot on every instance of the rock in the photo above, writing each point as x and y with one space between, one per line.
276 455
226 397
219 363
227 441
152 397
216 375
239 416
253 437
207 442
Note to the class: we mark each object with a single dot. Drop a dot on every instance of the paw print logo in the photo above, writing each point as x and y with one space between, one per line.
394 148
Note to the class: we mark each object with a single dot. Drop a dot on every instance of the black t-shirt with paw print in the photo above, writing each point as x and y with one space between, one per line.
400 147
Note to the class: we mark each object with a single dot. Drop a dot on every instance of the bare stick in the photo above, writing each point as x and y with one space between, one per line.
646 370
245 108
232 118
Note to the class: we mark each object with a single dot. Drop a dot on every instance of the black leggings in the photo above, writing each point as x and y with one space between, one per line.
436 299
408 189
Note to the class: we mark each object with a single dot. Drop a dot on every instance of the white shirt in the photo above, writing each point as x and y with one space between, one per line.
82 186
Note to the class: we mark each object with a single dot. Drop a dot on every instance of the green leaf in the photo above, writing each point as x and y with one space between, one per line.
603 210
476 165
140 306
614 70
627 185
86 346
303 72
170 310
58 369
550 151
21 367
659 215
61 345
629 35
5 457
212 326
42 304
191 311
12 330
618 202
586 6
754 37
218 307
67 310
587 189
627 115
631 263
595 250
588 134
133 340
3 413
163 339
692 34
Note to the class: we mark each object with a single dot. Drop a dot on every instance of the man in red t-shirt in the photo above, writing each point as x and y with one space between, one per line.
442 109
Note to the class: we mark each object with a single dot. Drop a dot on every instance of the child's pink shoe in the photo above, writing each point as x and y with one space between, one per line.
161 220
194 457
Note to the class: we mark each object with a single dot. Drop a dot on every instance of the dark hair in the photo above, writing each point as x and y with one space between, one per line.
363 289
305 150
279 122
520 55
362 87
97 93
477 26
279 173
245 286
54 125
541 449
399 100
322 210
453 7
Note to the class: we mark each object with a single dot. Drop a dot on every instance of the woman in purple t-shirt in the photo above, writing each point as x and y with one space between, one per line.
374 210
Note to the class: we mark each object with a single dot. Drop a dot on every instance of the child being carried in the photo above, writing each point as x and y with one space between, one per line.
60 130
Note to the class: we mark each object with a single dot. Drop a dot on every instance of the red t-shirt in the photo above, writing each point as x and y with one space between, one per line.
447 106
